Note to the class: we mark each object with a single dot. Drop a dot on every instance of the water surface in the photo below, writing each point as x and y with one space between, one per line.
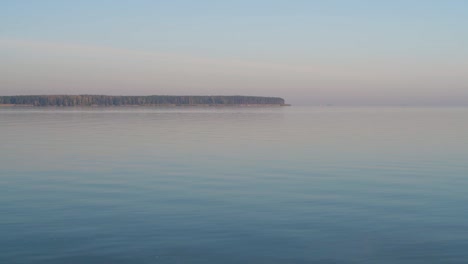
233 185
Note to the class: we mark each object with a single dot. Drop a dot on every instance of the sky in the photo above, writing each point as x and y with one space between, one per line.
348 52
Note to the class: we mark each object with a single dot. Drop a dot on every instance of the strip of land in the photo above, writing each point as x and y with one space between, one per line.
151 100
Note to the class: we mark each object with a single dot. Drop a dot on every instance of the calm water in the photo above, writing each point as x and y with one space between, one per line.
234 185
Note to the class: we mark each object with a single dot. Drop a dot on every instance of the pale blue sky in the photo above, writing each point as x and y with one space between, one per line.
339 52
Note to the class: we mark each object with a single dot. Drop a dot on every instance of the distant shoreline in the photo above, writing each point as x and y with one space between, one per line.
156 105
151 100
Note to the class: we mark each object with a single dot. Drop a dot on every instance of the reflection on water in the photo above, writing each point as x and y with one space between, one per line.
233 185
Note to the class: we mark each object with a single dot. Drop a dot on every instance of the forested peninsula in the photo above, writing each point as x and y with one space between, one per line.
152 100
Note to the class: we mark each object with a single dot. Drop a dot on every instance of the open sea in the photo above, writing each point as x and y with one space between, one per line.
233 185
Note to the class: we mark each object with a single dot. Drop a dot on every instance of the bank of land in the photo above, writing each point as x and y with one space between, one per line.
111 100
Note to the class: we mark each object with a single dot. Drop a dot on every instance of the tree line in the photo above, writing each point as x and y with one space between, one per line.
109 100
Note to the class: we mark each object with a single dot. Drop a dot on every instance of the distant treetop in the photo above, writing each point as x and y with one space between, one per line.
110 100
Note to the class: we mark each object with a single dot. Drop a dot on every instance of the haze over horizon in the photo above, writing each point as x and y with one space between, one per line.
307 52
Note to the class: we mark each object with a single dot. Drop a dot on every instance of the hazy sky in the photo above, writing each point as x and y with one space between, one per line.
318 52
